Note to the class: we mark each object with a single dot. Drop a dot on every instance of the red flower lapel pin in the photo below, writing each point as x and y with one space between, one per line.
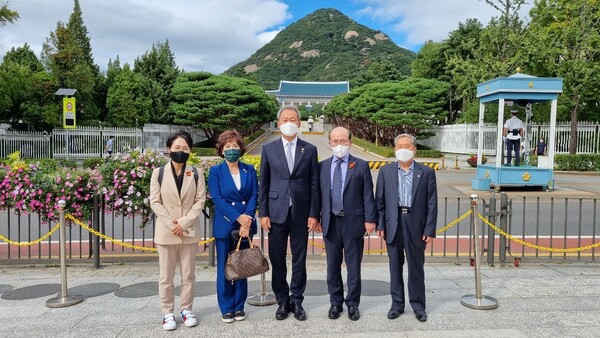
352 165
189 173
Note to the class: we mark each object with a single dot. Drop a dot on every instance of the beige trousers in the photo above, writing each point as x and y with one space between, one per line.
167 261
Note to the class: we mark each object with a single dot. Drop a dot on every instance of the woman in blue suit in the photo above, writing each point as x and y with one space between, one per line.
233 189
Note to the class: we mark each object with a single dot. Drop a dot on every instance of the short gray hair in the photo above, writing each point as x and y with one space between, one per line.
294 108
413 139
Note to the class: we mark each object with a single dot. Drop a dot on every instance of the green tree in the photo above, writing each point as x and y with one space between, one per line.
7 15
64 58
215 103
158 65
381 111
16 83
16 71
380 71
25 57
563 40
128 99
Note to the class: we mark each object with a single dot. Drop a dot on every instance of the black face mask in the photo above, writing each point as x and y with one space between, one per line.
179 156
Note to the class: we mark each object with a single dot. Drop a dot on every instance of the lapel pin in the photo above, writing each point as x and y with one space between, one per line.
352 165
189 173
302 150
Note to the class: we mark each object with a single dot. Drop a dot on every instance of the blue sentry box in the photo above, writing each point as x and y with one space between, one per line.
480 183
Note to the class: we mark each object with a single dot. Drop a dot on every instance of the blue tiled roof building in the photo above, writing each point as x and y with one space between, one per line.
308 93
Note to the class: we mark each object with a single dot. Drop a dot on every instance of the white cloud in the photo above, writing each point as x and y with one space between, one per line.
209 35
420 20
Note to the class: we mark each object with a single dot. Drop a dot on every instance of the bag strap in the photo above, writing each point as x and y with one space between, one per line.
237 247
161 174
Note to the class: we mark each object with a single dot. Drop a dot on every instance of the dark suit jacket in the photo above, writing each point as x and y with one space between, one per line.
358 200
277 184
423 212
230 202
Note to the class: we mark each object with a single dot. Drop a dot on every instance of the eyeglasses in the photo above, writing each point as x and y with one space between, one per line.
339 142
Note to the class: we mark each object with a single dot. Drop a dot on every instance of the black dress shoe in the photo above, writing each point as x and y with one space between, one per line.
298 311
282 311
334 312
393 314
421 315
353 313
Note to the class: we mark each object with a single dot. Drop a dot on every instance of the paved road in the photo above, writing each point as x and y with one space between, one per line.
121 300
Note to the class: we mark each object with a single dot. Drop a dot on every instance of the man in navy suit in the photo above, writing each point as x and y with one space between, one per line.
406 196
348 210
289 206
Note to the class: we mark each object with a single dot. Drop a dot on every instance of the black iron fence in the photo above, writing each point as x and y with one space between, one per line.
513 228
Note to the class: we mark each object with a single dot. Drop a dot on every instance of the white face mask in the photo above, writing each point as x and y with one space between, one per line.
340 150
289 129
404 155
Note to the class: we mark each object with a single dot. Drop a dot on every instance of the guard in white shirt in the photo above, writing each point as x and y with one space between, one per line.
511 134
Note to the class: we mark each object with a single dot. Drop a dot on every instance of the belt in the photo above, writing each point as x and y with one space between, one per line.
403 210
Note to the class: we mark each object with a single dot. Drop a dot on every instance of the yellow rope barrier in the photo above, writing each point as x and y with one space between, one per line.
531 245
121 243
455 222
32 242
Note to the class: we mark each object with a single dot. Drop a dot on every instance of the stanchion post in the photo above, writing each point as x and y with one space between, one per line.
63 299
96 239
503 222
262 298
477 301
491 232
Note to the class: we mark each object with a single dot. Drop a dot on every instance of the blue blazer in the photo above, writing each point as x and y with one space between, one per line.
230 202
359 203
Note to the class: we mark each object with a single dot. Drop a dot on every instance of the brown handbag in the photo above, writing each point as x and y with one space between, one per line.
245 263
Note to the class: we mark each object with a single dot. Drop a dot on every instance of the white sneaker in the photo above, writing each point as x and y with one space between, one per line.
169 323
188 318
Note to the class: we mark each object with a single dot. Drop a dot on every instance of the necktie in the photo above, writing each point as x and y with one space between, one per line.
290 159
336 189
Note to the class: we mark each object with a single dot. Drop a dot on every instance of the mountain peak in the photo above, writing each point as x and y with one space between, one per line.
325 45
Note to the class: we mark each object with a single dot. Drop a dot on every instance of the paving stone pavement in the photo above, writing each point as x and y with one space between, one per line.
121 300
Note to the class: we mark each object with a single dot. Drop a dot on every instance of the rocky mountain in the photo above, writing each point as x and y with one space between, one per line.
323 46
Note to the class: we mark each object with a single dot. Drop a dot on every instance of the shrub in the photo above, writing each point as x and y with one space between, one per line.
577 162
429 153
93 163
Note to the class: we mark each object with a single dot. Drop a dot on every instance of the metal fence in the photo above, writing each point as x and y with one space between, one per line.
31 144
566 226
463 138
88 142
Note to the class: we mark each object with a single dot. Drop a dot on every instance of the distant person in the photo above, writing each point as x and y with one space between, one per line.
310 123
177 202
406 197
348 211
109 145
233 188
512 132
289 208
541 147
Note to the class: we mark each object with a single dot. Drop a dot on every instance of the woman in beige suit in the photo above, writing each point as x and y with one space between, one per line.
177 198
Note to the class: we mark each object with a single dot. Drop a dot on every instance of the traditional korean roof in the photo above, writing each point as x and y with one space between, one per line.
312 89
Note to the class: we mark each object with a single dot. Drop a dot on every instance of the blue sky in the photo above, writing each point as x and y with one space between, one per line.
213 35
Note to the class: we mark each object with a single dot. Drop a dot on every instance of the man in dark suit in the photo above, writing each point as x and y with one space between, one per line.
406 197
289 207
348 210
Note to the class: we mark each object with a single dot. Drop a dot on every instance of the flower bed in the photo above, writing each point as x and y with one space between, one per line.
123 183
